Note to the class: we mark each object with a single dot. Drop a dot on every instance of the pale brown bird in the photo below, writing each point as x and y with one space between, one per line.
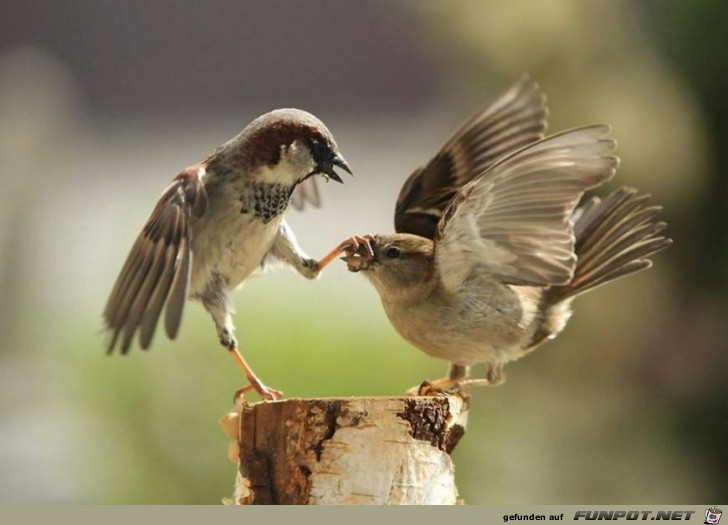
490 251
217 223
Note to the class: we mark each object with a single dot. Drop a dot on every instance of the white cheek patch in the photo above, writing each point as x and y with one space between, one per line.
299 158
284 173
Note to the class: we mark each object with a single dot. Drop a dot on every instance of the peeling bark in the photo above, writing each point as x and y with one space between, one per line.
347 450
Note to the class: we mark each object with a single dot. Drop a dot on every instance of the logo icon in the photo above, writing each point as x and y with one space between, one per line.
712 516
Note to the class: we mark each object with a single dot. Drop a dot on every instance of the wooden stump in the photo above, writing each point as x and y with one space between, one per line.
381 450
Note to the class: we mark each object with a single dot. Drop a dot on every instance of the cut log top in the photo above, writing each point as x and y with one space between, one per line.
376 450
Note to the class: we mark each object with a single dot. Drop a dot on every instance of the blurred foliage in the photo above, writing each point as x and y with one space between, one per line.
690 36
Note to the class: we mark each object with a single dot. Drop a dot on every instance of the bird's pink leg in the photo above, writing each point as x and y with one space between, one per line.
267 393
457 380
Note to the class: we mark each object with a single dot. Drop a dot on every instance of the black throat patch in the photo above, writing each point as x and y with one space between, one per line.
264 200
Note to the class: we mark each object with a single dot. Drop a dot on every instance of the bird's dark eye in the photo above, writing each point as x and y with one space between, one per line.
318 150
392 252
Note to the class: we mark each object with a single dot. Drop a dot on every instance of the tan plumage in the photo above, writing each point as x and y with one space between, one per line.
614 237
514 220
508 251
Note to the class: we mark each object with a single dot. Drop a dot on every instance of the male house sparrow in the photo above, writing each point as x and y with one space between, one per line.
490 251
216 223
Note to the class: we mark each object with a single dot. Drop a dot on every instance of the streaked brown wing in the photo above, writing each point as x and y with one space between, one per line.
306 192
515 119
514 222
614 237
157 270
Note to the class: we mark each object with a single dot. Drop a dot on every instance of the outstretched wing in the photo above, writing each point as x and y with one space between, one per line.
515 119
307 192
614 237
515 220
157 270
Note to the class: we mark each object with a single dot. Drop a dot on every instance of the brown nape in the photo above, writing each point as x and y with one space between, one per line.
260 142
614 237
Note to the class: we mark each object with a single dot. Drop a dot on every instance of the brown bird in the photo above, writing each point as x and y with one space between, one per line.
217 223
490 251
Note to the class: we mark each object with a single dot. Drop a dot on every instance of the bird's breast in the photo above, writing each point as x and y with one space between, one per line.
236 232
264 201
483 324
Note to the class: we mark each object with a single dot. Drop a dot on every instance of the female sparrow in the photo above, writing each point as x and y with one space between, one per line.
490 251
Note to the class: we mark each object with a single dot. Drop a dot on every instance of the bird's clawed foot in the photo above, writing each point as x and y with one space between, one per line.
256 385
444 386
265 392
359 252
450 386
350 247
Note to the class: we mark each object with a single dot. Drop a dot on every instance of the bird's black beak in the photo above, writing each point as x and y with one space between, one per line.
339 161
326 158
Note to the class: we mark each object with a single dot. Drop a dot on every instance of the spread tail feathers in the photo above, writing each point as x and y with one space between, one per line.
614 237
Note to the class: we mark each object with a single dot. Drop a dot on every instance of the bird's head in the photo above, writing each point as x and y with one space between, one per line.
396 265
285 146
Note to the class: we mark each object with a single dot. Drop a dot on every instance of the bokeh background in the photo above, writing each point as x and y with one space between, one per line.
102 102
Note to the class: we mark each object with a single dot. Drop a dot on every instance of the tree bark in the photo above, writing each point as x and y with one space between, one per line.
382 450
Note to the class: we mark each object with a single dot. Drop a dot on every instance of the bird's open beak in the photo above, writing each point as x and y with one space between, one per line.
326 168
355 263
339 161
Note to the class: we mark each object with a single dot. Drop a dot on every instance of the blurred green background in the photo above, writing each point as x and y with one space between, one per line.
102 102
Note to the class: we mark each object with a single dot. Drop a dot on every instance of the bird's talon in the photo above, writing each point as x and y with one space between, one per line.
358 251
350 247
270 394
266 393
239 395
425 389
447 386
